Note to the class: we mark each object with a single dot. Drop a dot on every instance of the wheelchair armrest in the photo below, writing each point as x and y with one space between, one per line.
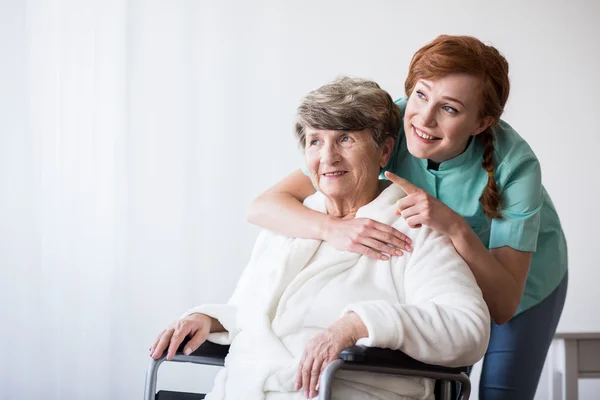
375 356
207 349
208 354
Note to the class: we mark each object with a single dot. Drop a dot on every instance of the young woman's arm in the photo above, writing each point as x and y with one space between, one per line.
500 273
280 209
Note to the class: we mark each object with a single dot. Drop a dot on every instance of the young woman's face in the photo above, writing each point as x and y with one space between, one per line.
441 115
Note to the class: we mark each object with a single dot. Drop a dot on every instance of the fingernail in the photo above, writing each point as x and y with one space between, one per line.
408 248
399 253
384 257
297 386
187 351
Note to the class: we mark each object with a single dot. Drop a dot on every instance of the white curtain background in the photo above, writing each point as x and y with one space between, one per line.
110 208
134 134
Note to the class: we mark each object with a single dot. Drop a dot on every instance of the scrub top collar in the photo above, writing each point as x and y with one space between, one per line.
463 158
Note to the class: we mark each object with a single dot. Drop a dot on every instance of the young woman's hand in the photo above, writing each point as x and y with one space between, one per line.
196 326
420 208
366 236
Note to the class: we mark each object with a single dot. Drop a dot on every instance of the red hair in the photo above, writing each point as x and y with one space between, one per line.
465 54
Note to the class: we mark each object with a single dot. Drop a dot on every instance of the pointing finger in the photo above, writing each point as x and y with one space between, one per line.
405 185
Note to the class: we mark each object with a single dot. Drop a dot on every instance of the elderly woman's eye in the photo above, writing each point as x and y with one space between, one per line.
346 138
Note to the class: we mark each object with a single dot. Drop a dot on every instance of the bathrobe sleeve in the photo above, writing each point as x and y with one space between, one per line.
247 287
444 319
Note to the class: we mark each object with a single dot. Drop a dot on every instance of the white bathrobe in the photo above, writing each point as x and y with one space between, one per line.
425 303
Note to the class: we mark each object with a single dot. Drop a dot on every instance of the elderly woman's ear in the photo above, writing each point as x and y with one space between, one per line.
387 146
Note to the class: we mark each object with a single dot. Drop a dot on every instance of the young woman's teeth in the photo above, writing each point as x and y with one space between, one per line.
424 136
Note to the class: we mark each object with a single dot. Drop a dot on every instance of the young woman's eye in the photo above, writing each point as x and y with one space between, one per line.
314 142
420 94
451 110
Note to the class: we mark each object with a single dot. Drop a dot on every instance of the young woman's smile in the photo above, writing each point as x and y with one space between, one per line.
441 115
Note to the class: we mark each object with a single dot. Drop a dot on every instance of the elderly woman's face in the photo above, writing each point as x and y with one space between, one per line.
342 163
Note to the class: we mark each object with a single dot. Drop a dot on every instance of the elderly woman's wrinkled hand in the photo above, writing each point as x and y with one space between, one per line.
196 326
325 348
366 236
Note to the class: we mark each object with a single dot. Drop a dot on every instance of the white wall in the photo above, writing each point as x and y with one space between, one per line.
133 140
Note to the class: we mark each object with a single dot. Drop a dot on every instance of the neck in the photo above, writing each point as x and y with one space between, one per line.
346 207
435 165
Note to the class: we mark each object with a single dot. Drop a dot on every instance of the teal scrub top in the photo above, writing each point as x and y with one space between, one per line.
529 220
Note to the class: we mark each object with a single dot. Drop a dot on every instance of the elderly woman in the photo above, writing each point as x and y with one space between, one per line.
300 302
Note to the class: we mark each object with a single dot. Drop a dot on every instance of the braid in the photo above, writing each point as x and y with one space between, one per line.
490 198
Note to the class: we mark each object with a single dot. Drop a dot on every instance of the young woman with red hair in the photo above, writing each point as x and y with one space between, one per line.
469 175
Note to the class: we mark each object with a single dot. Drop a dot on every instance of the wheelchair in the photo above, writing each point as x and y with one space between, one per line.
451 383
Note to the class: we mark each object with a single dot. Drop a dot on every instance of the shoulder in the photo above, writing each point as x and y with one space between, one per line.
509 147
316 201
512 154
517 173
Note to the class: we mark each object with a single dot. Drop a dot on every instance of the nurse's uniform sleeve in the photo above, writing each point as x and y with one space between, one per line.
445 320
227 314
521 195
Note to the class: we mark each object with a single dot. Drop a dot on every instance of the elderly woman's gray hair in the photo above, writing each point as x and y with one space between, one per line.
349 104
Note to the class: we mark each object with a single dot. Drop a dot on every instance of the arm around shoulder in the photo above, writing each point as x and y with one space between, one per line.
280 209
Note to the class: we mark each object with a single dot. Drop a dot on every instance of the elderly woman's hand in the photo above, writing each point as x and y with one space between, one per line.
366 236
325 348
197 326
